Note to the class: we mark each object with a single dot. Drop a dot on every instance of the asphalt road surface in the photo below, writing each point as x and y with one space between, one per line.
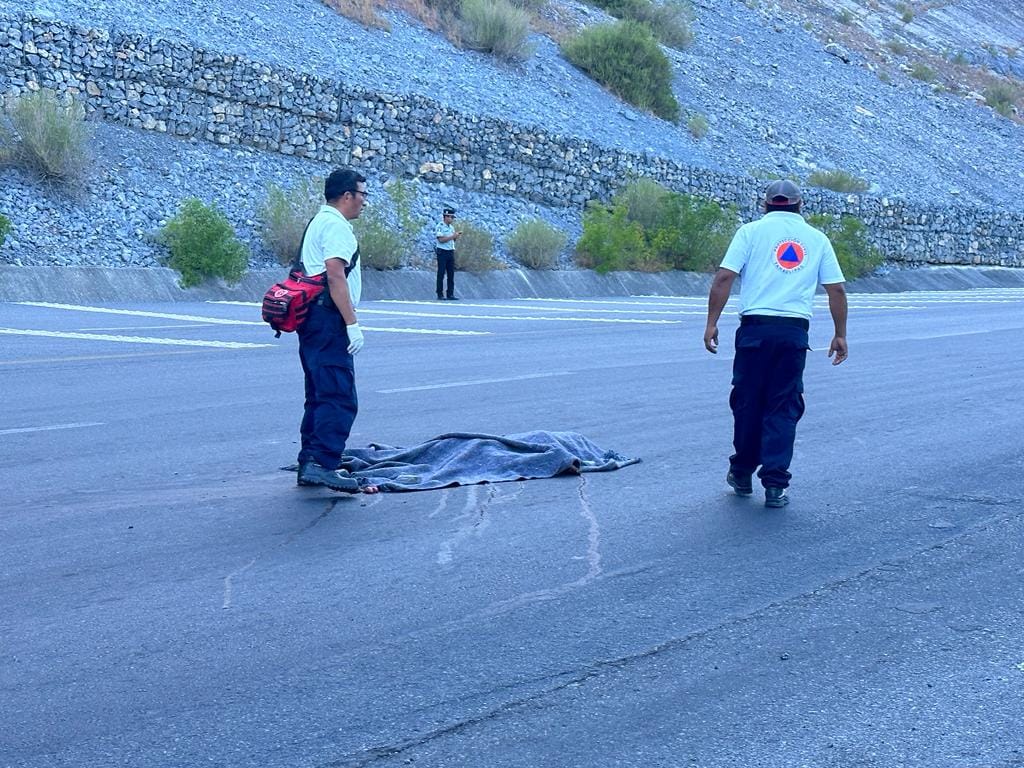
169 597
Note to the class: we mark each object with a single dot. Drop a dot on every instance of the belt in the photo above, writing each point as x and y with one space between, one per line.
799 322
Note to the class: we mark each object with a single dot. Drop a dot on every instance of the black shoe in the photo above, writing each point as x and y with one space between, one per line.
453 298
742 485
440 298
335 479
299 479
775 498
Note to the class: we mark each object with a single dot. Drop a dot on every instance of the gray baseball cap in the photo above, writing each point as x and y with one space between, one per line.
782 192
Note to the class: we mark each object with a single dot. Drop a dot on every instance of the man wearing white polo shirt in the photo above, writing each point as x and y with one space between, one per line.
782 260
330 337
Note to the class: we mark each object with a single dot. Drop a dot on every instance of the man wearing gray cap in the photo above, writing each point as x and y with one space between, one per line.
782 259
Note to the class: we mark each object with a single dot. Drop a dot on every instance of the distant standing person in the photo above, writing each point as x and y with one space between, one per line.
445 251
330 337
782 259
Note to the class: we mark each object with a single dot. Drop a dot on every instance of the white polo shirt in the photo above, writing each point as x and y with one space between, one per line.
782 259
330 236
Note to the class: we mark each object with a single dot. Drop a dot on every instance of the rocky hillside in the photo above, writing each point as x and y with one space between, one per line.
786 87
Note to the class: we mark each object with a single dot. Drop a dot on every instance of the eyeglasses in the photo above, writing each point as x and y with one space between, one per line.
362 192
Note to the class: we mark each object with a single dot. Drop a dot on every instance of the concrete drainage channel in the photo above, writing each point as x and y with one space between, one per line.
108 284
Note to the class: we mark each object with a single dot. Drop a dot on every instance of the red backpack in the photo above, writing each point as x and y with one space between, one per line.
286 304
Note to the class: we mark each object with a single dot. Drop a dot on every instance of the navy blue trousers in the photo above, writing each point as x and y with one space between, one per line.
331 403
445 266
767 398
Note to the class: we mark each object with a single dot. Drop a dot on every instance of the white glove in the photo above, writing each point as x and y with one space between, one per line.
355 338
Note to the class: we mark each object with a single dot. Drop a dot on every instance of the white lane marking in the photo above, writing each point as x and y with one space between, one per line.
141 313
422 331
224 320
145 327
545 309
133 339
460 316
473 382
78 425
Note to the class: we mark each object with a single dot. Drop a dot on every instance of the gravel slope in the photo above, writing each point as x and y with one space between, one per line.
775 100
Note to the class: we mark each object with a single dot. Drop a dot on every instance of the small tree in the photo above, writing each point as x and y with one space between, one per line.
285 212
203 245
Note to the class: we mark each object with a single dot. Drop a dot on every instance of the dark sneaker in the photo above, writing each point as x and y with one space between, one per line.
453 298
440 298
742 485
775 498
335 479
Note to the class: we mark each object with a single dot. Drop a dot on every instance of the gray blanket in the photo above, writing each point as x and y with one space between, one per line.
462 458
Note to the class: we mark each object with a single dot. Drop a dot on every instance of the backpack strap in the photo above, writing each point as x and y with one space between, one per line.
297 264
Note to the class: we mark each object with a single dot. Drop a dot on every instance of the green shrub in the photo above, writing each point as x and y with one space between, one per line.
923 72
857 257
536 244
1002 97
694 233
838 181
764 174
645 202
698 126
5 228
625 58
445 9
610 241
668 21
47 135
401 195
387 230
203 245
497 27
285 212
649 228
474 250
380 246
897 47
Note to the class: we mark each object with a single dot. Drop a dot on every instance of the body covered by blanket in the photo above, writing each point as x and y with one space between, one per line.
462 458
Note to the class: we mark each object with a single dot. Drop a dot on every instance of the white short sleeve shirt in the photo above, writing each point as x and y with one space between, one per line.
445 230
781 259
330 236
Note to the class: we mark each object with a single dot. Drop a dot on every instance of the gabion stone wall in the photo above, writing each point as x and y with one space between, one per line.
175 88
